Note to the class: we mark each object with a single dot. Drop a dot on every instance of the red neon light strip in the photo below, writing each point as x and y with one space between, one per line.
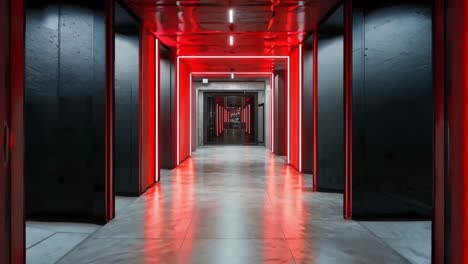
157 63
348 71
272 113
300 107
109 112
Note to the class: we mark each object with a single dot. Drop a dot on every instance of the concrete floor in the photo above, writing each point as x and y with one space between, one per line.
48 242
240 204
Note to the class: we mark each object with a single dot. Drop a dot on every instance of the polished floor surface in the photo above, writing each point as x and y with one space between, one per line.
48 242
235 204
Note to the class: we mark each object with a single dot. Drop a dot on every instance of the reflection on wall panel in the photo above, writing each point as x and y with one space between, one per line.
307 116
65 111
281 110
330 175
392 110
126 101
168 108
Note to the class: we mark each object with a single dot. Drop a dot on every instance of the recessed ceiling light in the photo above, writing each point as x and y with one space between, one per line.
231 40
231 16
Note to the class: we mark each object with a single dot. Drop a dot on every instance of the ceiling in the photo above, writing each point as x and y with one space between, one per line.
259 28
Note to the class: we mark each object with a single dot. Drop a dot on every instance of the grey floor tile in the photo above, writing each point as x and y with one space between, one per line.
112 251
121 203
235 251
53 248
64 227
240 204
36 235
411 239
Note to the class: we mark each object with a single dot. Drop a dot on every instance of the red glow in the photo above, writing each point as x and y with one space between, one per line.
184 111
109 112
191 28
294 122
147 117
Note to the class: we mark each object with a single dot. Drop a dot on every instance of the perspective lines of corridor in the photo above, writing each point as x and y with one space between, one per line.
234 204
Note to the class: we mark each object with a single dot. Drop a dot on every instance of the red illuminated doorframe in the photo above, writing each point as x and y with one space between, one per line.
109 112
348 109
272 87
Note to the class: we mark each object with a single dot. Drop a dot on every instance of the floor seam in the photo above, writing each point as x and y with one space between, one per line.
282 230
383 241
35 244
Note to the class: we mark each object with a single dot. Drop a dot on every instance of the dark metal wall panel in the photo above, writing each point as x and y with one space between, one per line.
330 113
307 112
65 110
393 110
280 112
126 95
5 176
168 133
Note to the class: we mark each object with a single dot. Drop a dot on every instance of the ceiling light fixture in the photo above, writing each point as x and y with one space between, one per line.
231 40
231 16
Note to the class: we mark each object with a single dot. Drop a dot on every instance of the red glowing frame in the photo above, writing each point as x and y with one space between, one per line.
287 58
256 74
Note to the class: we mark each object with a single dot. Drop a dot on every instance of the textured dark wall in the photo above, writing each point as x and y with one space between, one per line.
307 112
126 96
330 112
168 125
392 110
65 110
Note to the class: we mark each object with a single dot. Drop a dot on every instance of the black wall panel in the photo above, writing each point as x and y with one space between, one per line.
392 110
126 95
307 112
168 110
330 175
65 110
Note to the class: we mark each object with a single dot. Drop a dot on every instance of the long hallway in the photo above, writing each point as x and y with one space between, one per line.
234 204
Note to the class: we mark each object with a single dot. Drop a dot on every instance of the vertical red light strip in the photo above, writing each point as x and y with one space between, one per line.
248 116
348 92
300 105
190 116
109 112
288 117
216 120
178 111
157 115
272 115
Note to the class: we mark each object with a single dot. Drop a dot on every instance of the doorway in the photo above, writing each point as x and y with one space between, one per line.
230 119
